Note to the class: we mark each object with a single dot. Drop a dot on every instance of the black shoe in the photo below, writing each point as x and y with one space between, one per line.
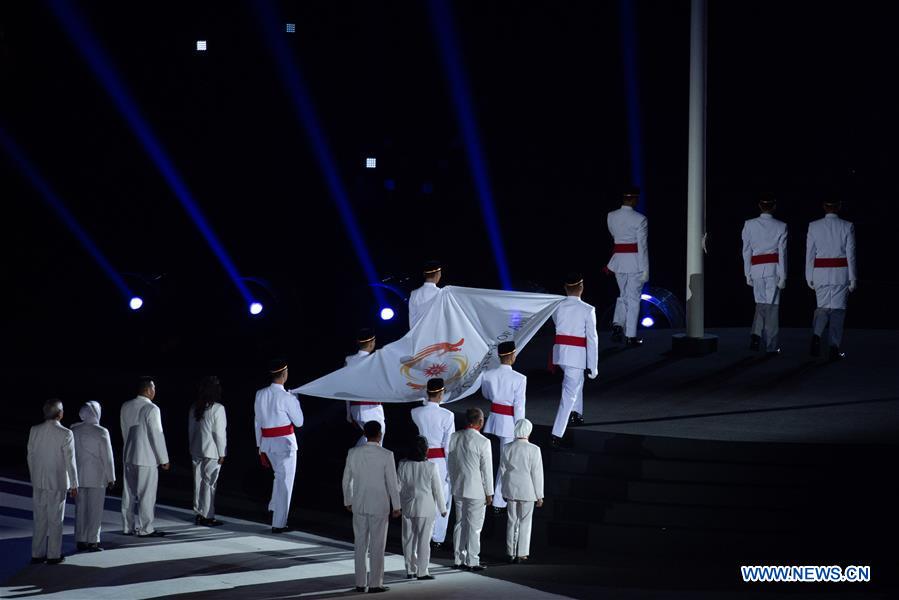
815 348
153 534
512 559
127 532
94 548
617 334
198 520
835 353
772 353
361 590
378 590
409 575
633 342
436 545
558 443
211 523
56 561
477 568
426 578
459 567
575 418
522 560
755 342
498 510
38 560
280 529
82 546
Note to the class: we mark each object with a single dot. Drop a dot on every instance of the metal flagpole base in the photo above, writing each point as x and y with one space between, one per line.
682 345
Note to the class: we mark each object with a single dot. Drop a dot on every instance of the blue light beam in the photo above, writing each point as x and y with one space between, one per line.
632 96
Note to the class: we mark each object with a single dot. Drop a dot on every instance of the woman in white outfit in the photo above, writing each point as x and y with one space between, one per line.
521 470
96 472
206 430
421 492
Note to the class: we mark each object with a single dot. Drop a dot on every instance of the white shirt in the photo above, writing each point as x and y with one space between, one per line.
470 464
576 318
435 423
765 235
207 437
51 457
504 385
276 407
93 455
419 301
521 471
369 480
141 424
830 237
627 226
421 490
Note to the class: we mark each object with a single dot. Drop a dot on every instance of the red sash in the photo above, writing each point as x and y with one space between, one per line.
436 453
625 248
764 259
281 431
502 409
825 263
571 340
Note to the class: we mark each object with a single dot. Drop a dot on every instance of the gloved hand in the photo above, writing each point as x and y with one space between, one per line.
644 276
749 281
263 460
781 283
811 284
852 285
592 374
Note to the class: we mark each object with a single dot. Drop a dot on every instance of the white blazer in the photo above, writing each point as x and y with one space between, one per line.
764 235
576 318
419 301
504 385
521 471
627 226
207 437
276 407
51 457
435 423
93 455
830 237
369 480
421 490
470 464
141 424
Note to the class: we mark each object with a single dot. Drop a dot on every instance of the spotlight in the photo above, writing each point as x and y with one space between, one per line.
135 303
645 297
255 308
647 322
371 162
386 313
201 45
389 185
290 27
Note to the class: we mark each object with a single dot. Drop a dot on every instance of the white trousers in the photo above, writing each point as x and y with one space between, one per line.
518 528
370 535
831 312
284 464
627 306
766 324
467 531
206 477
48 513
89 514
442 523
141 483
417 544
832 296
364 440
572 398
498 500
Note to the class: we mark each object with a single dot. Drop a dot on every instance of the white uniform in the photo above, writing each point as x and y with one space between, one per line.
576 349
277 412
208 443
96 470
470 465
830 269
521 469
765 269
436 424
51 463
419 301
421 492
360 412
370 487
506 389
145 450
630 263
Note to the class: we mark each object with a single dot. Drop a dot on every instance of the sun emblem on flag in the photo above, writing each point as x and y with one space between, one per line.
437 360
436 370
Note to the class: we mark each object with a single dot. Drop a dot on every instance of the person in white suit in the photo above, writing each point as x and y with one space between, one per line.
506 389
96 473
276 413
576 349
420 298
630 264
765 268
370 489
421 492
207 438
360 412
471 476
521 468
51 463
145 453
436 424
830 271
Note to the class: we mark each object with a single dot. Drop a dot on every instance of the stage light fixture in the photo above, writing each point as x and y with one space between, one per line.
201 45
645 297
387 313
135 303
371 162
255 308
647 322
290 27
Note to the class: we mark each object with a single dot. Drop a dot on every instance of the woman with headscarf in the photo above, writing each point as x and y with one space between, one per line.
521 470
206 432
96 472
421 493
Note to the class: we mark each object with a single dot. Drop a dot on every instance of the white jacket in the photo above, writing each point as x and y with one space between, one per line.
574 317
470 464
521 471
421 490
830 237
435 423
504 385
764 235
419 301
93 455
141 424
369 480
51 457
276 407
627 226
207 437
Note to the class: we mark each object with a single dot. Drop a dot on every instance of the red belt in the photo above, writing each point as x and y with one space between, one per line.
625 248
831 262
571 340
764 259
502 409
277 431
362 403
436 453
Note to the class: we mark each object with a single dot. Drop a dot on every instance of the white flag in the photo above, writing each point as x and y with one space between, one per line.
455 339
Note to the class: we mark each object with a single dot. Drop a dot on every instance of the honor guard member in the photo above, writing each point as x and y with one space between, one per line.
470 464
207 438
630 264
575 350
145 454
436 424
360 412
830 271
521 468
96 473
51 464
277 412
765 268
506 389
420 299
421 492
